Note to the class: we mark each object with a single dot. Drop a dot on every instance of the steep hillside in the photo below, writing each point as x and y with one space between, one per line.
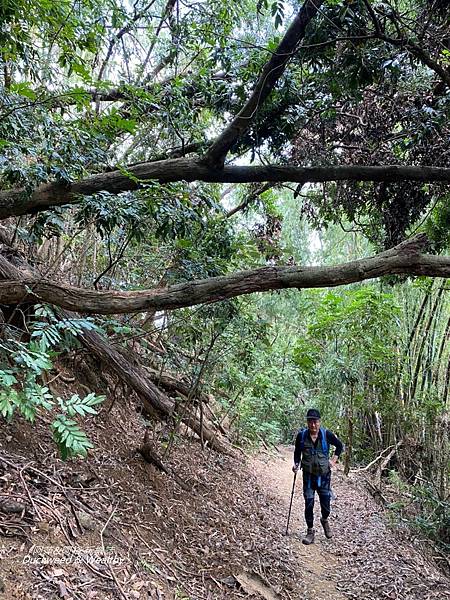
113 526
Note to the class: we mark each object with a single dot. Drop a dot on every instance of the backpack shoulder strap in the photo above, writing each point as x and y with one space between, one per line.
303 433
325 444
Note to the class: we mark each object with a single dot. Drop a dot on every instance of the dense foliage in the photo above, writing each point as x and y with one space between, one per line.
92 86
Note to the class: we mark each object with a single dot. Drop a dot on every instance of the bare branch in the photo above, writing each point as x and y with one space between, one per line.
405 42
125 29
252 196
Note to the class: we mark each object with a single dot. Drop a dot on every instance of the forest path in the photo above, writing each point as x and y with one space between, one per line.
365 559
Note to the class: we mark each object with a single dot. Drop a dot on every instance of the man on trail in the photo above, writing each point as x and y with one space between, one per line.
312 446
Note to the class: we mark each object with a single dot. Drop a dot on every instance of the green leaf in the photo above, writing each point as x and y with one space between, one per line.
7 378
24 89
81 406
71 440
8 403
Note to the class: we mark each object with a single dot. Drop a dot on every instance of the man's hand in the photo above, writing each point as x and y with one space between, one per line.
295 468
333 461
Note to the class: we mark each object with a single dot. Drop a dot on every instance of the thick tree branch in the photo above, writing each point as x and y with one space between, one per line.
403 259
271 72
419 53
139 379
19 202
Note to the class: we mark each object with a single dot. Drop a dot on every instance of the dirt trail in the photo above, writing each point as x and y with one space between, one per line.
365 559
223 540
316 566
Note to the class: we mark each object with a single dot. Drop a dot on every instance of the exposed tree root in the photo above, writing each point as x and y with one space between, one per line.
151 457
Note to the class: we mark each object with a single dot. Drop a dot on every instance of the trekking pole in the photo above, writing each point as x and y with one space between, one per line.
290 505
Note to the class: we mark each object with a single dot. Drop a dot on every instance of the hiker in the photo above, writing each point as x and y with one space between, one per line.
312 453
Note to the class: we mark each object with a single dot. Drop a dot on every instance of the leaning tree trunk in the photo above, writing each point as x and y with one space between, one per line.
444 340
155 401
349 448
424 339
406 360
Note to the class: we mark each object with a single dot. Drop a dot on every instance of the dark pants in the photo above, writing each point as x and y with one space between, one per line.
321 485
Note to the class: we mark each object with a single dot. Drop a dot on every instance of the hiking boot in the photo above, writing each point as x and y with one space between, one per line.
309 537
326 528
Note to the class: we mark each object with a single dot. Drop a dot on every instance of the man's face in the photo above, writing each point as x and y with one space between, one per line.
314 425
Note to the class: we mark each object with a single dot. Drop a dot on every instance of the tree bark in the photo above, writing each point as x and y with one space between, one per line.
17 202
270 74
172 384
155 401
402 259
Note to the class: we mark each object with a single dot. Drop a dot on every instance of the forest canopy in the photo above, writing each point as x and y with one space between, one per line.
120 116
161 155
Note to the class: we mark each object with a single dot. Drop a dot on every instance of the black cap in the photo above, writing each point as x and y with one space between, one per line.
313 413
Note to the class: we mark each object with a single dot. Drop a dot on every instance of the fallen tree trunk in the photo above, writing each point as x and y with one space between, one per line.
164 379
16 202
172 384
406 258
155 401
